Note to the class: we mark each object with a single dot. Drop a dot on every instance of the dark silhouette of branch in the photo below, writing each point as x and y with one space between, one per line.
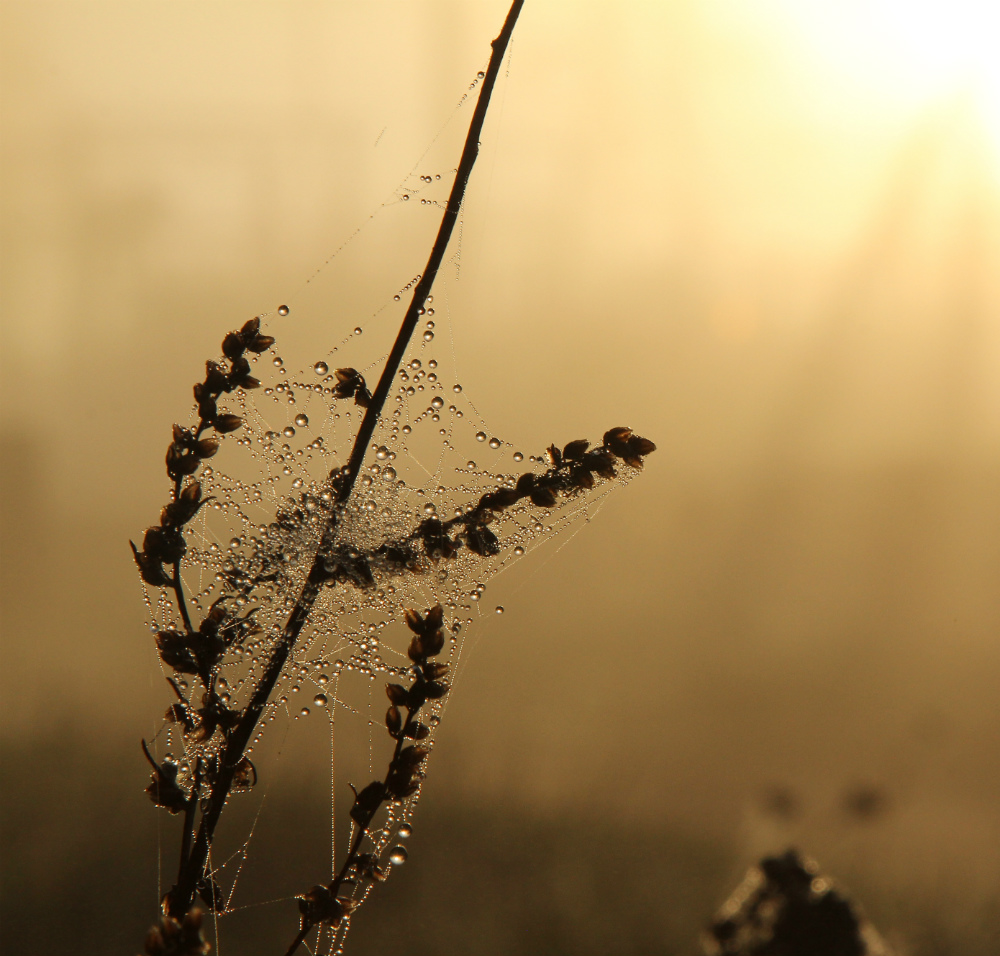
191 876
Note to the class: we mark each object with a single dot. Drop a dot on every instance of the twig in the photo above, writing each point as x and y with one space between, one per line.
182 895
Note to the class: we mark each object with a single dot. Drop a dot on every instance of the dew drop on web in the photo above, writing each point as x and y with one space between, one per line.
283 310
321 368
398 855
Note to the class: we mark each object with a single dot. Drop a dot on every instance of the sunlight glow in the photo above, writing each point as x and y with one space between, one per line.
911 52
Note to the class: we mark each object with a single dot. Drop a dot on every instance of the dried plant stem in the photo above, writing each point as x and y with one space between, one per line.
192 868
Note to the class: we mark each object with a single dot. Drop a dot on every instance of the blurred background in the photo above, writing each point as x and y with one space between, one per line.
763 233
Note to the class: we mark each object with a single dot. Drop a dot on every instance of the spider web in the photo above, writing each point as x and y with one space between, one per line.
252 545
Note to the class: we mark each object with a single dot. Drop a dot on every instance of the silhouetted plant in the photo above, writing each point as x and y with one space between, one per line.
306 551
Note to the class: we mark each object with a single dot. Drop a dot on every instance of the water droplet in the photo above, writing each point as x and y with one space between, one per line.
288 431
389 474
480 436
429 508
471 465
320 700
428 336
301 420
499 609
321 368
381 453
519 551
456 388
407 429
358 330
437 402
518 456
495 443
398 856
282 310
404 832
277 362
304 712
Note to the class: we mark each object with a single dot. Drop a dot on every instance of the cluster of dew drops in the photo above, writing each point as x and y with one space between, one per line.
295 432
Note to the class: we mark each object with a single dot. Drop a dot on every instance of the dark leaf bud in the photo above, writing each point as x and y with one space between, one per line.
232 346
393 720
367 802
397 693
482 541
245 775
250 328
228 423
525 483
435 690
206 447
416 731
641 446
574 451
543 497
260 343
434 618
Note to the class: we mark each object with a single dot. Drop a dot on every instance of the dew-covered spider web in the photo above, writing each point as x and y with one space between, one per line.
271 490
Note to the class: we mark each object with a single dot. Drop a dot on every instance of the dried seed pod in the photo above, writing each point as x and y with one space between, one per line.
367 802
575 450
582 478
435 690
319 905
554 456
176 651
164 544
543 497
216 379
482 541
249 329
393 720
616 440
641 446
212 895
416 730
397 694
227 423
233 345
600 463
245 775
163 789
434 669
260 343
411 757
525 483
206 447
150 569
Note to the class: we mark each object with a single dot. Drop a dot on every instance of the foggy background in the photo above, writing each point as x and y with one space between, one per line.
764 235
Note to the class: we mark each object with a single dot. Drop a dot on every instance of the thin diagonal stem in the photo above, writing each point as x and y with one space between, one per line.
192 871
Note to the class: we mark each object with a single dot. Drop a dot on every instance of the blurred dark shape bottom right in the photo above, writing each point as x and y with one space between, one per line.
785 907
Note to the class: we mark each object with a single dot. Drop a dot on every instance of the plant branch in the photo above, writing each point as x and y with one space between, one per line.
181 897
